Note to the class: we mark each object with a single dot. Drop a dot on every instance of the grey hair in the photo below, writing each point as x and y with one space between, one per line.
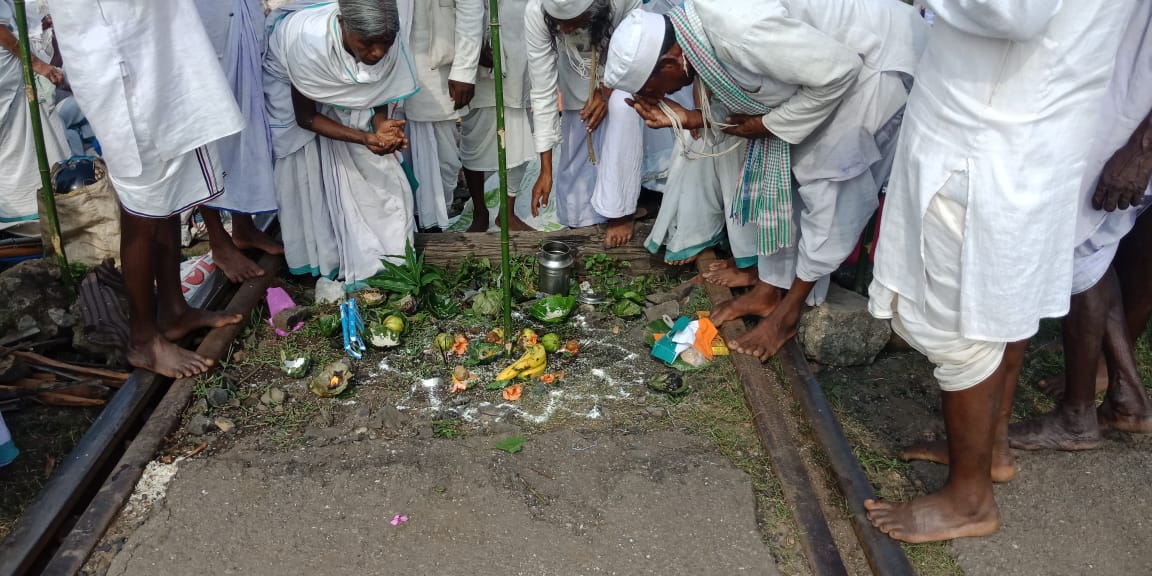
371 18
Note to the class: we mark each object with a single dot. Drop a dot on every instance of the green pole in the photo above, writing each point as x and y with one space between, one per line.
50 224
502 168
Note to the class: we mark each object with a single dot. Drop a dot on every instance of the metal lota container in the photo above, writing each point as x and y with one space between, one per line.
555 267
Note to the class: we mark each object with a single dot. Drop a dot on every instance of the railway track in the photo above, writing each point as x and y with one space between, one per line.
65 522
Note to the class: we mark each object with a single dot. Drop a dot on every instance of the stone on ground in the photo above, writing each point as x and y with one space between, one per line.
841 332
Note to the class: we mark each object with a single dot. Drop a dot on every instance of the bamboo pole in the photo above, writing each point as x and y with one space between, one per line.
502 169
50 223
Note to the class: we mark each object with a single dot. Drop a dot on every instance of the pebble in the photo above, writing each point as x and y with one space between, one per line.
656 412
251 402
198 407
217 397
655 312
224 424
199 425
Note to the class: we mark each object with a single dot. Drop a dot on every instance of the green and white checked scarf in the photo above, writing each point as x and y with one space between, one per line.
764 196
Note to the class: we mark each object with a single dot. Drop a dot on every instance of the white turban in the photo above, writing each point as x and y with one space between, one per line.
566 9
634 51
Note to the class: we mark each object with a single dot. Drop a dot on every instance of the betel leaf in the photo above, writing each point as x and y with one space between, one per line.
511 444
553 308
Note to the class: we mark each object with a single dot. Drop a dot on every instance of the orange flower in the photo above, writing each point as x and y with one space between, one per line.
512 393
547 378
458 385
529 339
572 346
460 346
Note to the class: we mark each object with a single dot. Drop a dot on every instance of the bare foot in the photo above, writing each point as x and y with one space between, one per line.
515 224
934 518
480 220
191 319
1111 418
769 335
619 232
724 274
1055 431
256 239
759 301
1003 464
236 266
688 260
167 359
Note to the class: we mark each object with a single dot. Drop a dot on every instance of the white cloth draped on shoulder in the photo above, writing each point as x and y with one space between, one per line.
367 197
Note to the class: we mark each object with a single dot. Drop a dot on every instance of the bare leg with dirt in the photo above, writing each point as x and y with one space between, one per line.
778 326
1003 463
619 231
174 317
966 505
141 250
225 252
247 236
759 301
726 273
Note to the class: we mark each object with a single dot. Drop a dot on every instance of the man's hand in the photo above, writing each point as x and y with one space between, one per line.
596 109
745 126
461 93
52 73
541 192
649 110
1126 175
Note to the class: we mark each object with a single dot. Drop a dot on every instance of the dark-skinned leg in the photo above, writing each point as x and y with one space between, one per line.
1072 426
247 236
727 273
480 214
236 266
778 327
175 318
140 251
1003 467
1126 405
965 506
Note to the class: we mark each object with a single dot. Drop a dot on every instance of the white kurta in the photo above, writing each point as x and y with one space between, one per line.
1015 116
21 178
445 45
1128 103
236 29
365 198
144 66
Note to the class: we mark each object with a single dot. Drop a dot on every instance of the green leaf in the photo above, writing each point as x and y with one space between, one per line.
496 385
511 444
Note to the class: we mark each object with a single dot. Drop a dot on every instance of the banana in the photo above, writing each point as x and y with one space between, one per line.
534 360
532 373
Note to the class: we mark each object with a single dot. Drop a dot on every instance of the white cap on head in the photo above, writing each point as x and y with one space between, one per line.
566 9
634 51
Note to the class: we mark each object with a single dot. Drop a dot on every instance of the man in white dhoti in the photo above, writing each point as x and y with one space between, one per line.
445 42
974 246
812 91
1110 298
147 78
600 167
478 138
21 177
236 29
332 73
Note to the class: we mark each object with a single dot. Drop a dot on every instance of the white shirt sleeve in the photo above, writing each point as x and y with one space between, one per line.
790 51
469 37
543 74
1016 20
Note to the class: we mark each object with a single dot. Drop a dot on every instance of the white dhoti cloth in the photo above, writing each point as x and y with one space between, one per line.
933 326
309 238
620 160
1092 257
21 177
166 188
436 165
574 179
236 29
479 141
831 216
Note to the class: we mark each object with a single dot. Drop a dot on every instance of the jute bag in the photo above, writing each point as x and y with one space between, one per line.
89 220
